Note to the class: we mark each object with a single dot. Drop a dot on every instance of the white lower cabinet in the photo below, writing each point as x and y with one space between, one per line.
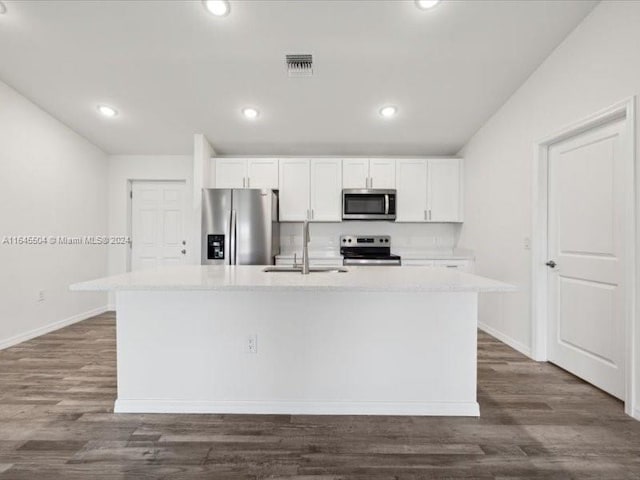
316 262
310 190
458 264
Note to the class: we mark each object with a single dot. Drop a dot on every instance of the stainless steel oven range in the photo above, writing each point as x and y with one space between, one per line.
368 250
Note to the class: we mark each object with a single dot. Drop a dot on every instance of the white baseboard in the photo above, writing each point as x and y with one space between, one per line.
466 409
636 413
516 345
36 332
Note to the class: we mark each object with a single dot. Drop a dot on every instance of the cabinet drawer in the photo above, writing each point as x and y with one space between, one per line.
417 263
463 265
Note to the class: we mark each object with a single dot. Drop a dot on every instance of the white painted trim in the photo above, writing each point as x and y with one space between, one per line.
539 283
471 409
636 413
36 332
513 343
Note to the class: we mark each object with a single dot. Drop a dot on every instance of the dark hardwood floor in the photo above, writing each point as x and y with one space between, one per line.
56 422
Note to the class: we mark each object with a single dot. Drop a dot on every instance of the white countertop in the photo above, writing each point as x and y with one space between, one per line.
252 278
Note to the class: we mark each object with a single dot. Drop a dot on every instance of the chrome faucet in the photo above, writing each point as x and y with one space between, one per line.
305 247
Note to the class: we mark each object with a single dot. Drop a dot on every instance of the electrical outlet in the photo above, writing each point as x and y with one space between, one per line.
41 296
251 344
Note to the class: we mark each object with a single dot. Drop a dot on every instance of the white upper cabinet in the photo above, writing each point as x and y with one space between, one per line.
368 173
355 173
382 173
429 190
310 190
231 172
444 203
262 173
246 173
411 184
326 181
295 189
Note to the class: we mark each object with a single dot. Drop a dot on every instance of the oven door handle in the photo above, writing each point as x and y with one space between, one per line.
386 204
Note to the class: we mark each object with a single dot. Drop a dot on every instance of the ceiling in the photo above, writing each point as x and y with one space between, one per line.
173 70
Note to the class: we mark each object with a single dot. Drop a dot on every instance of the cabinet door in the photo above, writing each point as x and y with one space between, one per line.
355 172
294 189
444 201
382 173
231 172
262 173
411 183
326 186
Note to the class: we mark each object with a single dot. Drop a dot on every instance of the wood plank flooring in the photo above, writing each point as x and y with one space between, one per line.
56 422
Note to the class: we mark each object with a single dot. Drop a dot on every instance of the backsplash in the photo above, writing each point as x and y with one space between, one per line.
404 236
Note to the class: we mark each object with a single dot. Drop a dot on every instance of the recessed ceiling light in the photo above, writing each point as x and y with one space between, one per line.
219 8
107 111
388 111
3 8
426 4
250 113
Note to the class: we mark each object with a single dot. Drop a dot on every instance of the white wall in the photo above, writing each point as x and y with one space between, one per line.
52 182
595 67
125 168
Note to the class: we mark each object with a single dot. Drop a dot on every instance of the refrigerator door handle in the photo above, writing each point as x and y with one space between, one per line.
234 240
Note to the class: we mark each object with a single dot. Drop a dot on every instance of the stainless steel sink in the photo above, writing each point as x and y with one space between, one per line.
287 269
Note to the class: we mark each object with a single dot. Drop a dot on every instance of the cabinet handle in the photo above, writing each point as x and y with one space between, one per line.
248 182
425 214
244 182
370 182
429 214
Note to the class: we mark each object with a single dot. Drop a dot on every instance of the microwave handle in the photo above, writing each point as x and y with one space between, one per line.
386 204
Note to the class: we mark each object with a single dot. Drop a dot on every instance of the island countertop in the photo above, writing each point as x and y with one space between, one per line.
253 278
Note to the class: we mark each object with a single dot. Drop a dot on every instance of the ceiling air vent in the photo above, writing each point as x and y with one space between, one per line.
300 65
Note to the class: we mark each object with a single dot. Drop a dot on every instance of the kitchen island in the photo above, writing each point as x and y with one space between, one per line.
236 339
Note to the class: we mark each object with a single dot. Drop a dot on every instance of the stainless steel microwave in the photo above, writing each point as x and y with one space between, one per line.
368 204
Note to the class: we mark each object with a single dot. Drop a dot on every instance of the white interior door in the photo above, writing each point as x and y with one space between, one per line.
326 179
586 286
157 224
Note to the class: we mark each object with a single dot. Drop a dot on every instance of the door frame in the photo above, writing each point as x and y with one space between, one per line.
624 110
185 219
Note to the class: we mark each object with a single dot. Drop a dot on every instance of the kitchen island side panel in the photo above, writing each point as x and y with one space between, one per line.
394 353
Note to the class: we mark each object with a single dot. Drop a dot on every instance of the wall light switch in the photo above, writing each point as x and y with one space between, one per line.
41 296
251 344
527 243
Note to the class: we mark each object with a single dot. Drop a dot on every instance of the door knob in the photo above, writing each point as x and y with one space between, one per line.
183 251
551 264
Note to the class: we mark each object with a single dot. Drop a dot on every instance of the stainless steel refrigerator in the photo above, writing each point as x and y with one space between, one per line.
239 227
